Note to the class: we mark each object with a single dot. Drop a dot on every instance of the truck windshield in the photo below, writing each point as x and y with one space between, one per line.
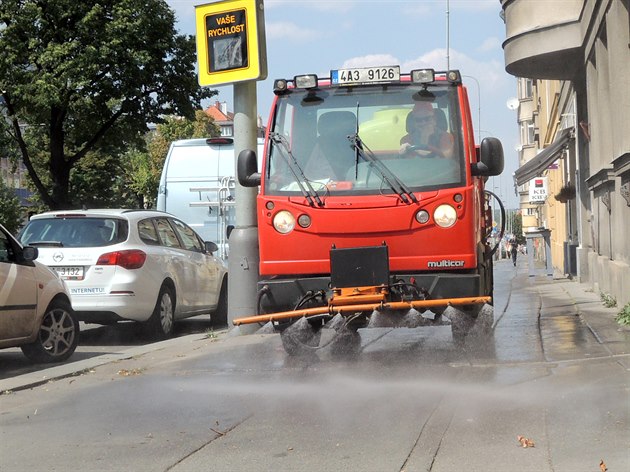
379 139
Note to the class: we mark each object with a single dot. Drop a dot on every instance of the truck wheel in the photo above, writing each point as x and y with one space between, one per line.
220 317
161 322
58 334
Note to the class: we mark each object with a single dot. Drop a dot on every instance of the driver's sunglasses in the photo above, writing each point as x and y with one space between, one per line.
423 119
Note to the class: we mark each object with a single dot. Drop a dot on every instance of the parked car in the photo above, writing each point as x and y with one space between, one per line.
35 310
138 265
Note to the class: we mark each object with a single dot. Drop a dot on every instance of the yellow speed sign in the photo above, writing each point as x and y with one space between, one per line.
231 42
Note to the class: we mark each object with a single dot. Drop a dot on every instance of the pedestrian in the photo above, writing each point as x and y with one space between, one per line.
514 251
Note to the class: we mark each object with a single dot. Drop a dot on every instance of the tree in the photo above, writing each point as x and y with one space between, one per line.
516 223
83 79
144 167
9 208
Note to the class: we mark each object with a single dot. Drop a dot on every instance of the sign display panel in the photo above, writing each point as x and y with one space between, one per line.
538 190
231 42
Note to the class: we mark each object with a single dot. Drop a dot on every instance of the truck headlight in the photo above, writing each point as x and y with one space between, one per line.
284 222
445 216
422 216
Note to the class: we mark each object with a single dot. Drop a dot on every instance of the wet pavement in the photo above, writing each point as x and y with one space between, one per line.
556 372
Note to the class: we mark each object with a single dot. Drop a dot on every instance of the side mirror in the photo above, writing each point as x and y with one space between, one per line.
29 253
247 169
211 247
490 157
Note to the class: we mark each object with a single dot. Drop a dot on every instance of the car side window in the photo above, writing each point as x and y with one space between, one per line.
7 252
147 232
166 233
188 236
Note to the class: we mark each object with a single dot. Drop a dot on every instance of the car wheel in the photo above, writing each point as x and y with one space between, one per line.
220 316
161 321
58 334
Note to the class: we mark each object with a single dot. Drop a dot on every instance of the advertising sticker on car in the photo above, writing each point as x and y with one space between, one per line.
365 75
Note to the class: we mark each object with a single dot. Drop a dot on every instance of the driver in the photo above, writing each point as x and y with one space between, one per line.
424 138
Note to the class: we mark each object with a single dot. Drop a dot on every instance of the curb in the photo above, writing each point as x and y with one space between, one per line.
71 369
587 305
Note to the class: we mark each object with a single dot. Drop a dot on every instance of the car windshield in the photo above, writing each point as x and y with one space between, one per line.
74 232
365 140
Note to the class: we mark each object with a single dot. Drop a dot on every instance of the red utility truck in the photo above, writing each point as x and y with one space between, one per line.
372 209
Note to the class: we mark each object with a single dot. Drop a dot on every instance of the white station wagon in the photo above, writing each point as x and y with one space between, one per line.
139 265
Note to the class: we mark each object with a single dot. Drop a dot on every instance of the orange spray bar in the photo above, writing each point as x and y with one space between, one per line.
331 309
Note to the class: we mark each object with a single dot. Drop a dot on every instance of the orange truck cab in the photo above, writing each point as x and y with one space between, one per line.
352 196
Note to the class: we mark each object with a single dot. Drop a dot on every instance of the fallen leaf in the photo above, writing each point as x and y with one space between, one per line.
525 442
127 373
602 466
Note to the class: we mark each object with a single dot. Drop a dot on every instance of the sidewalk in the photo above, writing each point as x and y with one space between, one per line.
564 308
561 307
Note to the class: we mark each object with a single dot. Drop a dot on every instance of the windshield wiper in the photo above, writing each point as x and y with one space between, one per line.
46 244
305 186
394 183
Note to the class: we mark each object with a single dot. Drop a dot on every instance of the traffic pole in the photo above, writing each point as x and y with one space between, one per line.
243 258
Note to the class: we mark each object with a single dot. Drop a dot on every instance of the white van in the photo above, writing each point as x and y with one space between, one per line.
197 186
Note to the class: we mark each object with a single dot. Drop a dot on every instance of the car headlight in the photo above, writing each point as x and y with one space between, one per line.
445 216
284 222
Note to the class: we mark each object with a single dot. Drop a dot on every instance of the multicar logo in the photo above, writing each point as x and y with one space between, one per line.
445 263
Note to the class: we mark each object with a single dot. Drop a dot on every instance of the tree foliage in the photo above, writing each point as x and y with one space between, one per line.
80 81
144 167
10 216
516 223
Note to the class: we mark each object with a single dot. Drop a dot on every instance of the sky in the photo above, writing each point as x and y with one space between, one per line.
315 36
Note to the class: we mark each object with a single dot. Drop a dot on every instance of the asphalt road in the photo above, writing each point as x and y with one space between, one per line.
97 340
411 401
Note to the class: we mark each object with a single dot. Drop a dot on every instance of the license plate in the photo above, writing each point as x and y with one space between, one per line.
366 75
70 273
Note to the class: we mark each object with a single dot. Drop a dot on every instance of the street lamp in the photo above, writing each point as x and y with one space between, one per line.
478 106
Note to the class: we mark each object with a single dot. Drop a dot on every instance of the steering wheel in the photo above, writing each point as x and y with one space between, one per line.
427 151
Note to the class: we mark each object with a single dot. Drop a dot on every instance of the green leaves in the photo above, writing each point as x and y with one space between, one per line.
87 77
9 208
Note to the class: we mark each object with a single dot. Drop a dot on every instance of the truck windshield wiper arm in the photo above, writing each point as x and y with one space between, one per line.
305 186
394 183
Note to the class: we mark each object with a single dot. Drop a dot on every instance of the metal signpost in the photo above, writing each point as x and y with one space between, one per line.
231 48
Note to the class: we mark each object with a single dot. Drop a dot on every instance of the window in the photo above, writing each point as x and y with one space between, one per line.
530 211
525 88
528 132
6 249
166 233
147 232
188 236
75 231
314 147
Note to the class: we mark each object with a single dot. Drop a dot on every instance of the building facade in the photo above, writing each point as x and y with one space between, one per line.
224 119
576 54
